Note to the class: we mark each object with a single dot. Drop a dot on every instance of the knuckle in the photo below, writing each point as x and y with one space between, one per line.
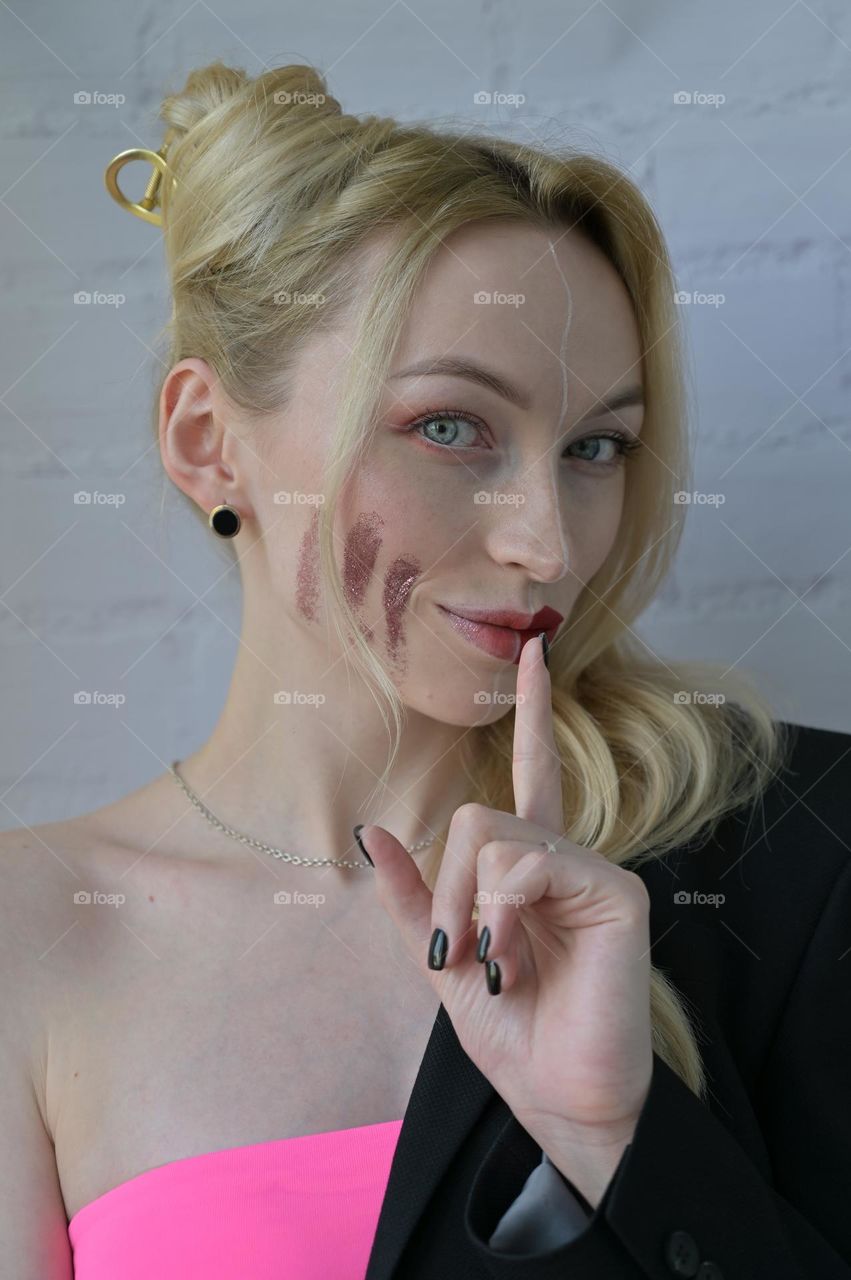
469 818
635 889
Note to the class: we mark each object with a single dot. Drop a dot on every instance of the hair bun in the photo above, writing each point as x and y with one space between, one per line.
210 89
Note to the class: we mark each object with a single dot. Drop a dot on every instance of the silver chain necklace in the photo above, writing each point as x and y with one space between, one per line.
267 848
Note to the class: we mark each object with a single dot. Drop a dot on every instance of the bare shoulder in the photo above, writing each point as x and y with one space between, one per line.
36 867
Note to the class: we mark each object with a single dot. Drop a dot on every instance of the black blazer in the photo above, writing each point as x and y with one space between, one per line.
754 1184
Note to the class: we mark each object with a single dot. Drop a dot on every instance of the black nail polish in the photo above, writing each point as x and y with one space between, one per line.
494 977
437 950
484 943
356 832
545 644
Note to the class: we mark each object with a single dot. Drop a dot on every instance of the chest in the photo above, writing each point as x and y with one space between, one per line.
189 1038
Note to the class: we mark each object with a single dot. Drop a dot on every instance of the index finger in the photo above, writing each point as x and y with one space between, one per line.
536 767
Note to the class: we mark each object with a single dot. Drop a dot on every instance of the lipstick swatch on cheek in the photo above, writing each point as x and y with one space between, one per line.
398 582
307 581
361 552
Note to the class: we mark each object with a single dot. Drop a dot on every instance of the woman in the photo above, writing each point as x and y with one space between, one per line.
427 388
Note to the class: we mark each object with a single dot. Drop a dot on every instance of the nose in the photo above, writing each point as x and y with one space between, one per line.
526 525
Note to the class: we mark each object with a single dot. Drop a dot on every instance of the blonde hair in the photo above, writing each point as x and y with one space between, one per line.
277 189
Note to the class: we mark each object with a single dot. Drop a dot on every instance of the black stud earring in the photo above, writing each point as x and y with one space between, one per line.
224 520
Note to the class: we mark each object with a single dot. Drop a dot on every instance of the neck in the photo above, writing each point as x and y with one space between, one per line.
300 775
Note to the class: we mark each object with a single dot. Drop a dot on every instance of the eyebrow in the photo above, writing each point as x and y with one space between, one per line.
458 367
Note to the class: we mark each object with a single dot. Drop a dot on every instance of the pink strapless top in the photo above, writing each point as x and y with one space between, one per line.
301 1208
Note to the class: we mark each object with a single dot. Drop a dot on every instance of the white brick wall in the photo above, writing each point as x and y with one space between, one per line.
85 601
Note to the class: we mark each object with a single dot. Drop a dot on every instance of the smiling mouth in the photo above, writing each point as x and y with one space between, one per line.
504 643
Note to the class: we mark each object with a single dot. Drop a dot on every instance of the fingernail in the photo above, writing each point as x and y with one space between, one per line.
493 976
484 943
356 831
437 950
545 645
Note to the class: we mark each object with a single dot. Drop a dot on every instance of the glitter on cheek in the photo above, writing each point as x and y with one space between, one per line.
398 582
361 552
307 589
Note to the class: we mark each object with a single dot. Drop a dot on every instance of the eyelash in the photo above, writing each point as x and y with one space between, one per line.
626 444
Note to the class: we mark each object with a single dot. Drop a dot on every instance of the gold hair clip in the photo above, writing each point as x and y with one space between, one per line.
146 207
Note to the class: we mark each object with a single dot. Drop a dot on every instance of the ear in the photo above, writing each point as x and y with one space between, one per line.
197 430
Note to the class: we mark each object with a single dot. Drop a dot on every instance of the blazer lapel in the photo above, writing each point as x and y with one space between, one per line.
448 1096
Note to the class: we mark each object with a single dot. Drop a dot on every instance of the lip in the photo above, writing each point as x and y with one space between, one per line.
502 632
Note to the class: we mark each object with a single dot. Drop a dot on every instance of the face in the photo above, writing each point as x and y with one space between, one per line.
488 486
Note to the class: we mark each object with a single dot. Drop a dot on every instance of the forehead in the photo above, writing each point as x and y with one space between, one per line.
554 298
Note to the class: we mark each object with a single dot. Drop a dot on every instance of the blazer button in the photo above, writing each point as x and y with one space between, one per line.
681 1254
709 1270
